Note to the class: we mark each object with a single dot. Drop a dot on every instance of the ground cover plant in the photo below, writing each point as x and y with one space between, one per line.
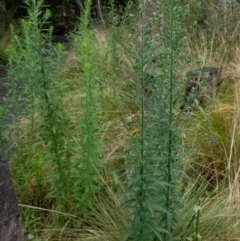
99 148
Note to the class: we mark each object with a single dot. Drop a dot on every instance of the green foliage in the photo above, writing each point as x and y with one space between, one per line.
84 169
153 196
35 86
35 78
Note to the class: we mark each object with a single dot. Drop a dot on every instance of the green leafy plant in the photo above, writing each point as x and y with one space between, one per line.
35 91
85 169
152 194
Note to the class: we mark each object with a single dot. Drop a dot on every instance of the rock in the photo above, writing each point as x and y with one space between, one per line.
202 86
10 220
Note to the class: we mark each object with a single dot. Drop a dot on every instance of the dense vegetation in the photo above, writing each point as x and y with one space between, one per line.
95 157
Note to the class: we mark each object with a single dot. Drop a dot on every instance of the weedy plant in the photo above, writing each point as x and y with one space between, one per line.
156 154
84 169
35 96
37 88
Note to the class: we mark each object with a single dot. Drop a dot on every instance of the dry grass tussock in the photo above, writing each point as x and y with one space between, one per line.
212 136
219 211
105 223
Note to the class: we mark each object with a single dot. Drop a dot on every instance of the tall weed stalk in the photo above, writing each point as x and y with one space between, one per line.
84 169
156 155
35 94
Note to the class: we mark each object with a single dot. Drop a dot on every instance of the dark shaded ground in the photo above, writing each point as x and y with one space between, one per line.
61 39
